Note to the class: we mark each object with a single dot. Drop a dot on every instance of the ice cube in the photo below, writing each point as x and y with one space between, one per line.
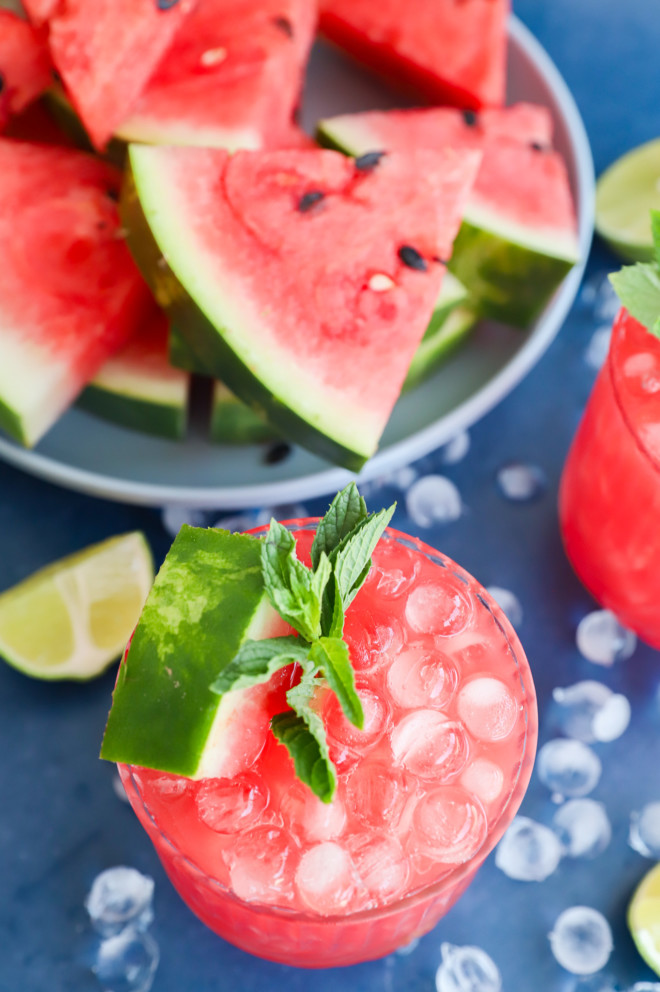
421 676
380 862
644 832
483 779
598 347
508 603
120 896
376 793
451 824
174 517
583 828
429 745
311 819
433 499
456 449
603 640
581 940
340 729
260 865
467 969
231 805
403 478
375 641
528 851
325 878
127 961
118 788
568 768
590 711
520 482
443 608
487 709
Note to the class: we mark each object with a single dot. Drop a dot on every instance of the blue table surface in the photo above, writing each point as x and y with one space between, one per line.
61 823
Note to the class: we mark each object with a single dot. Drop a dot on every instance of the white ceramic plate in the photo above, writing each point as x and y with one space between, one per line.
87 454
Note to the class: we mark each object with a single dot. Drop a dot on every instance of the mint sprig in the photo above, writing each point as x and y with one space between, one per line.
313 601
638 286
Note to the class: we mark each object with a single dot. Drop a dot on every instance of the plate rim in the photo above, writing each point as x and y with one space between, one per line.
402 452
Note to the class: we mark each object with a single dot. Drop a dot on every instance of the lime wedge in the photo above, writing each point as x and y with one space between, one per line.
644 918
625 193
73 618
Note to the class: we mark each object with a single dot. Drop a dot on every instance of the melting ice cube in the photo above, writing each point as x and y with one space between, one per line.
644 833
120 896
467 969
603 640
590 711
127 962
528 851
520 482
456 449
508 602
433 499
568 768
583 828
581 940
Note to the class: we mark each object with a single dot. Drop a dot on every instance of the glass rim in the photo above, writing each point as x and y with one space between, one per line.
455 874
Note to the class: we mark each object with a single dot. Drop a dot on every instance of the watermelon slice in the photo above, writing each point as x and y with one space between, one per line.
234 422
305 280
40 11
230 79
447 51
519 234
439 342
138 388
70 293
204 623
106 50
25 66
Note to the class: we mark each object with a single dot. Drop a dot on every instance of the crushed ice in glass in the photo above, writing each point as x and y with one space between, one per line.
120 896
528 851
508 602
644 832
456 449
598 347
581 940
520 482
467 969
127 962
589 711
568 768
433 499
603 640
583 828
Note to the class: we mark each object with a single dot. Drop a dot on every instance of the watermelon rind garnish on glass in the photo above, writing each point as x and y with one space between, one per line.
305 280
443 50
231 78
519 233
70 293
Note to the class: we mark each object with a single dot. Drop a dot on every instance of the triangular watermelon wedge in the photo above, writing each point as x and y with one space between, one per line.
70 293
40 11
230 79
303 279
106 50
25 66
447 51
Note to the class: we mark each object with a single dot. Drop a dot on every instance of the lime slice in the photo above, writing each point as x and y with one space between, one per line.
625 193
644 918
73 618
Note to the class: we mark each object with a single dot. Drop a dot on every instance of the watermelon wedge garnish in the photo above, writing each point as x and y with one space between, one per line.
231 77
106 50
70 294
25 65
444 50
305 280
40 11
519 233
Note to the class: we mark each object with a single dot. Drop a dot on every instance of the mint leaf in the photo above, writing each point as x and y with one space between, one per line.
345 513
638 288
351 560
256 661
330 654
332 613
289 585
302 733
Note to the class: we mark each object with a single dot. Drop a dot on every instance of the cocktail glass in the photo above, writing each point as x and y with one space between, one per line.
425 790
609 497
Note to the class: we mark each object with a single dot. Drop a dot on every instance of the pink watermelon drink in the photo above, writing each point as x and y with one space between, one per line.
423 791
609 500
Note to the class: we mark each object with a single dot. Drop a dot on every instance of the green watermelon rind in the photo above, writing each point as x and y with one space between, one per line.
206 340
162 419
233 422
439 345
13 424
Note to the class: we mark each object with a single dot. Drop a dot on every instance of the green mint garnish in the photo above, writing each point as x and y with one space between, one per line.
313 601
638 286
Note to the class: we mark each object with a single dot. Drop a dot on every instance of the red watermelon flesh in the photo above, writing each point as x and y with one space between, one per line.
297 259
70 294
25 65
106 50
40 11
231 78
448 51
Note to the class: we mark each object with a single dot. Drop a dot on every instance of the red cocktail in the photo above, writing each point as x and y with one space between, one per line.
424 792
609 498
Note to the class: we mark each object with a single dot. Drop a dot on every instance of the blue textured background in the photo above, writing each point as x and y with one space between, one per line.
60 821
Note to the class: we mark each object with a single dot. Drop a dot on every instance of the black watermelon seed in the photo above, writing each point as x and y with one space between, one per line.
310 200
166 4
411 257
368 161
112 194
277 453
284 25
441 261
470 118
538 147
2 83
